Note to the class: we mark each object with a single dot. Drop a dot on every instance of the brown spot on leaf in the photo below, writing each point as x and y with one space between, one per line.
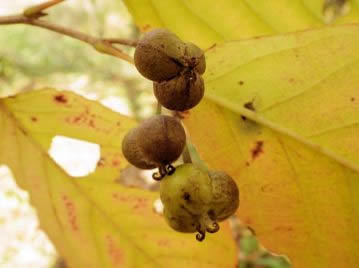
60 98
87 119
23 131
163 243
257 150
352 99
241 83
283 229
248 105
101 162
92 123
251 229
33 119
186 196
247 221
134 201
211 47
145 27
247 164
140 203
76 119
266 188
115 252
71 212
291 80
115 196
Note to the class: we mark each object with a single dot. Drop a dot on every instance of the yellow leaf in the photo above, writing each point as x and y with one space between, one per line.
94 221
295 158
286 127
206 22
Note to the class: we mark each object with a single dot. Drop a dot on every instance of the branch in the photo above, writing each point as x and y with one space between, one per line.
131 43
31 16
37 9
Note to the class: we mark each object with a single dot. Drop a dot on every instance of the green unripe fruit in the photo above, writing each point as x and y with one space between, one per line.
188 189
180 93
195 199
180 220
157 53
156 142
225 199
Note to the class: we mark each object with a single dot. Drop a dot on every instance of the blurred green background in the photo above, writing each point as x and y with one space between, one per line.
32 58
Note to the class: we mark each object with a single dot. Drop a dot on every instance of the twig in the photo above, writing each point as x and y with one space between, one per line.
101 45
186 156
158 108
37 9
121 41
194 156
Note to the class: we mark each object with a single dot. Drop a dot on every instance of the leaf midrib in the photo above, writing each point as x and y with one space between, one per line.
238 109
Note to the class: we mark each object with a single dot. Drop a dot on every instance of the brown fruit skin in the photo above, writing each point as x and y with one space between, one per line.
180 93
194 58
133 153
156 55
161 139
225 200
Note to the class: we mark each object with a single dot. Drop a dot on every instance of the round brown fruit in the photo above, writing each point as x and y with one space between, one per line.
180 93
157 53
161 138
194 58
133 153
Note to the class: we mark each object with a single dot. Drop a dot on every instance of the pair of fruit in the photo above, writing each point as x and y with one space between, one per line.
195 199
174 66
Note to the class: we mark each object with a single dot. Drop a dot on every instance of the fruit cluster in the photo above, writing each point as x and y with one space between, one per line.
194 199
174 66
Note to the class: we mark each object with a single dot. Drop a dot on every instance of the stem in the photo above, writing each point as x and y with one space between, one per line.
37 9
121 41
159 108
15 19
31 17
186 156
195 158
